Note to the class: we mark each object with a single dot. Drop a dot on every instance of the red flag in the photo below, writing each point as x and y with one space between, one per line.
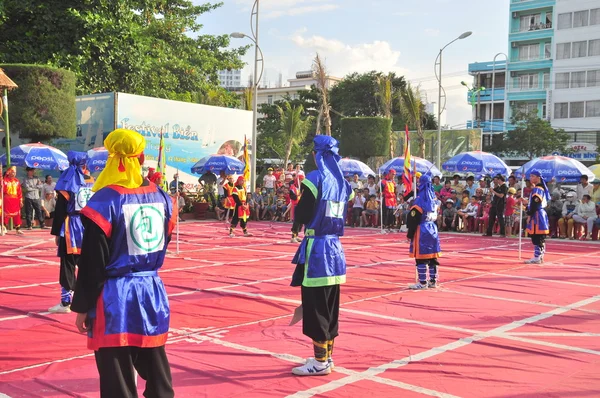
407 175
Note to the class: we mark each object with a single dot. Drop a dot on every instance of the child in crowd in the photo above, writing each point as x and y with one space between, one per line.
509 211
484 214
371 213
469 214
280 206
449 216
401 208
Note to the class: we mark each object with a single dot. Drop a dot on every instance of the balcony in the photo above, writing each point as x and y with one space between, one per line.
538 63
524 5
488 126
486 95
538 31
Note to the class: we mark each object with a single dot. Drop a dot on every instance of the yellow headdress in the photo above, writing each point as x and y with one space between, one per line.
123 167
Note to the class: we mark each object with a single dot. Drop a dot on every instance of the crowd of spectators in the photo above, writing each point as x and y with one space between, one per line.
484 205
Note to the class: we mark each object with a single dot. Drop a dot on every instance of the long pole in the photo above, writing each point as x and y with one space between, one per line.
382 201
177 222
255 102
1 201
7 135
521 212
439 135
6 127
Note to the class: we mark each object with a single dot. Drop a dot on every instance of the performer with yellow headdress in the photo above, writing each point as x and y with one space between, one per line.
241 211
120 299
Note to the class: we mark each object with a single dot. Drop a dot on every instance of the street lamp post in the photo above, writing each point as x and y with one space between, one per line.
256 81
438 72
493 88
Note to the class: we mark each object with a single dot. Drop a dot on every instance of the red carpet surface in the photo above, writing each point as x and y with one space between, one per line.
494 328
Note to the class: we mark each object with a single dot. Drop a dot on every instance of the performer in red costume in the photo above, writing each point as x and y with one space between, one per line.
13 199
241 211
388 192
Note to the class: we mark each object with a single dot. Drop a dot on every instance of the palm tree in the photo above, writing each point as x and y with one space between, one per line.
247 97
293 126
386 100
321 75
411 106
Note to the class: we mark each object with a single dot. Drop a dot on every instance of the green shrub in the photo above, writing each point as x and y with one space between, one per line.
364 137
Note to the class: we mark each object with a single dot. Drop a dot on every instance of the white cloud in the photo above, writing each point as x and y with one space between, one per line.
294 11
342 58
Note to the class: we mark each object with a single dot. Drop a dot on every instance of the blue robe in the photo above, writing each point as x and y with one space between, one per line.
538 222
133 309
425 245
321 251
72 228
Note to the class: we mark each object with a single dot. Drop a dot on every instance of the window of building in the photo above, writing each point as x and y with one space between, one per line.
547 51
594 48
595 16
529 52
580 49
561 110
593 78
563 51
530 22
562 80
548 19
577 79
576 109
544 110
565 21
528 82
581 18
270 100
592 109
546 81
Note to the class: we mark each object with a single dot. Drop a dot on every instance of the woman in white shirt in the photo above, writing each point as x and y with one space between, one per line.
585 213
358 204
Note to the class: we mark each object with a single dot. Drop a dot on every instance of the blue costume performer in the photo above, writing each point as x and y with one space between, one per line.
320 261
423 234
538 226
74 188
120 299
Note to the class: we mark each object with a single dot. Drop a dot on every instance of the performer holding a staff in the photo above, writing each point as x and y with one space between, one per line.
538 226
423 234
320 261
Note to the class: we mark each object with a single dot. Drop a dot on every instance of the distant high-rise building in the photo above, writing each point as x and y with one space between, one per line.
231 79
553 69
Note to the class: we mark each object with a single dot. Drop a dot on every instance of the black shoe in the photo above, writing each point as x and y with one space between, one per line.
487 235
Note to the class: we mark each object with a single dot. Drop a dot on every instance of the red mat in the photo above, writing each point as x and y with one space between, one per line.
495 328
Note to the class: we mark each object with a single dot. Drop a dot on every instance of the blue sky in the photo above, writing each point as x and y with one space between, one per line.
360 35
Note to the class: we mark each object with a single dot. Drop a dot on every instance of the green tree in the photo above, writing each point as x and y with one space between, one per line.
385 95
271 143
43 106
413 109
294 126
533 137
145 47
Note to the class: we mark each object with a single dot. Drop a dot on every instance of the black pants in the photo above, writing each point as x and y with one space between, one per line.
236 219
388 217
539 240
296 227
320 312
117 377
496 212
67 266
33 205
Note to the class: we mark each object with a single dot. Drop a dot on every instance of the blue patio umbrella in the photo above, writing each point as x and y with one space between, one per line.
424 166
476 162
38 156
218 163
352 166
559 168
97 158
